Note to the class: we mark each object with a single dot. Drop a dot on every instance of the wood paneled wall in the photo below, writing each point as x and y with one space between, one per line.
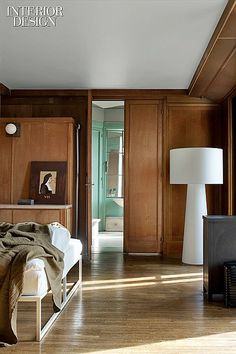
187 121
56 103
40 140
143 176
187 125
229 115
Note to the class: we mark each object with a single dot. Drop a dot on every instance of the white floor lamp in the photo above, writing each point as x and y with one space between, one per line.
195 167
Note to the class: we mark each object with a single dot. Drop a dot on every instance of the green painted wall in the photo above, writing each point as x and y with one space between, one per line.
102 206
111 208
98 206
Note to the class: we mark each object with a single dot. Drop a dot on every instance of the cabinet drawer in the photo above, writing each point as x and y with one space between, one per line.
114 224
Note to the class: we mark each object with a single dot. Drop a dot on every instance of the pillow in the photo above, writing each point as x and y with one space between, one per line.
60 236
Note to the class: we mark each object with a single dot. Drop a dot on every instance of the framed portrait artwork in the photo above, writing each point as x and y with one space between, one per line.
48 182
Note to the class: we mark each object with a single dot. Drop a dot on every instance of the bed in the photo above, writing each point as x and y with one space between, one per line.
35 281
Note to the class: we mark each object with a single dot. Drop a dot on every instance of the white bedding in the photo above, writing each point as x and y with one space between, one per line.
35 279
60 238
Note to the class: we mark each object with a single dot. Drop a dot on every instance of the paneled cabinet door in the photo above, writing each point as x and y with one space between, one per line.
143 176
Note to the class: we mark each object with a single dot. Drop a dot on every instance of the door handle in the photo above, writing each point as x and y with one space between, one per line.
105 166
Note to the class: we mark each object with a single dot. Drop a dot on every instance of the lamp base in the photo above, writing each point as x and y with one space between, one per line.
196 207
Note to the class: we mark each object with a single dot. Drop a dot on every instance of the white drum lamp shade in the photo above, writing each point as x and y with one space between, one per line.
195 167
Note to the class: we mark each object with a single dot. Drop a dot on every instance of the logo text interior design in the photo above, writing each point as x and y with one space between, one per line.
34 16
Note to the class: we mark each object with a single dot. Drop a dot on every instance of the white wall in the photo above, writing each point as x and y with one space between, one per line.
108 114
97 114
114 114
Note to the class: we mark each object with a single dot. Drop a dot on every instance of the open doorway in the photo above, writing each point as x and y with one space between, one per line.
107 176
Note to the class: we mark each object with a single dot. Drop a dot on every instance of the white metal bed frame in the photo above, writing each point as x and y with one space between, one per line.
40 332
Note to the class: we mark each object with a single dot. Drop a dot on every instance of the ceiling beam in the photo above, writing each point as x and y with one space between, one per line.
216 73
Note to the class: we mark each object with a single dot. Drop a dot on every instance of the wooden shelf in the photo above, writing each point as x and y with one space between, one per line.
35 206
40 213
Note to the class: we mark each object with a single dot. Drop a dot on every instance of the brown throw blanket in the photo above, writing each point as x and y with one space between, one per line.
20 243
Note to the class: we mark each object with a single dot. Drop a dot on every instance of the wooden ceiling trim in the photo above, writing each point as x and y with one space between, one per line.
229 28
230 61
220 53
223 37
4 90
122 94
36 120
171 95
51 97
224 81
46 92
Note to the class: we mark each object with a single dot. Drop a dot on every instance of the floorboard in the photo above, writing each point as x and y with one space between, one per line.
134 304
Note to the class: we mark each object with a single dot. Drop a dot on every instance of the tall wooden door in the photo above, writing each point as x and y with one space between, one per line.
143 176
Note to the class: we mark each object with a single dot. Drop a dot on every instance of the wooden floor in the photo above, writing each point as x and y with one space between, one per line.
132 304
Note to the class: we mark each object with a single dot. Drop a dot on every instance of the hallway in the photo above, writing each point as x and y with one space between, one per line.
108 242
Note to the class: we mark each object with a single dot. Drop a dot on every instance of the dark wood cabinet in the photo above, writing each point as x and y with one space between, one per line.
219 246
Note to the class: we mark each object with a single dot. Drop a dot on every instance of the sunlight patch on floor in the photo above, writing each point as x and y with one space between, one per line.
215 343
134 283
181 275
123 280
141 281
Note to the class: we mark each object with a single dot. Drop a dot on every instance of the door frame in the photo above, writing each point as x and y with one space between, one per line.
88 184
92 98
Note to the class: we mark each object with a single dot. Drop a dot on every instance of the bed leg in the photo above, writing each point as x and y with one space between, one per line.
38 320
64 289
80 270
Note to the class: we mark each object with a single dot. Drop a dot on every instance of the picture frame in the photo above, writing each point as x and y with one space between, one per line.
48 182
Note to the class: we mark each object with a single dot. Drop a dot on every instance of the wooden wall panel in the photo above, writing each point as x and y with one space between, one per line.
143 171
5 166
40 140
188 121
227 191
42 216
56 103
187 126
5 216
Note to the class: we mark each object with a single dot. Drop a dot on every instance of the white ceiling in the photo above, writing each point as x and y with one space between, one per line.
109 44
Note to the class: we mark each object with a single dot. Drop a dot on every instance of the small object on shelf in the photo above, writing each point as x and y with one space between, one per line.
230 284
25 202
